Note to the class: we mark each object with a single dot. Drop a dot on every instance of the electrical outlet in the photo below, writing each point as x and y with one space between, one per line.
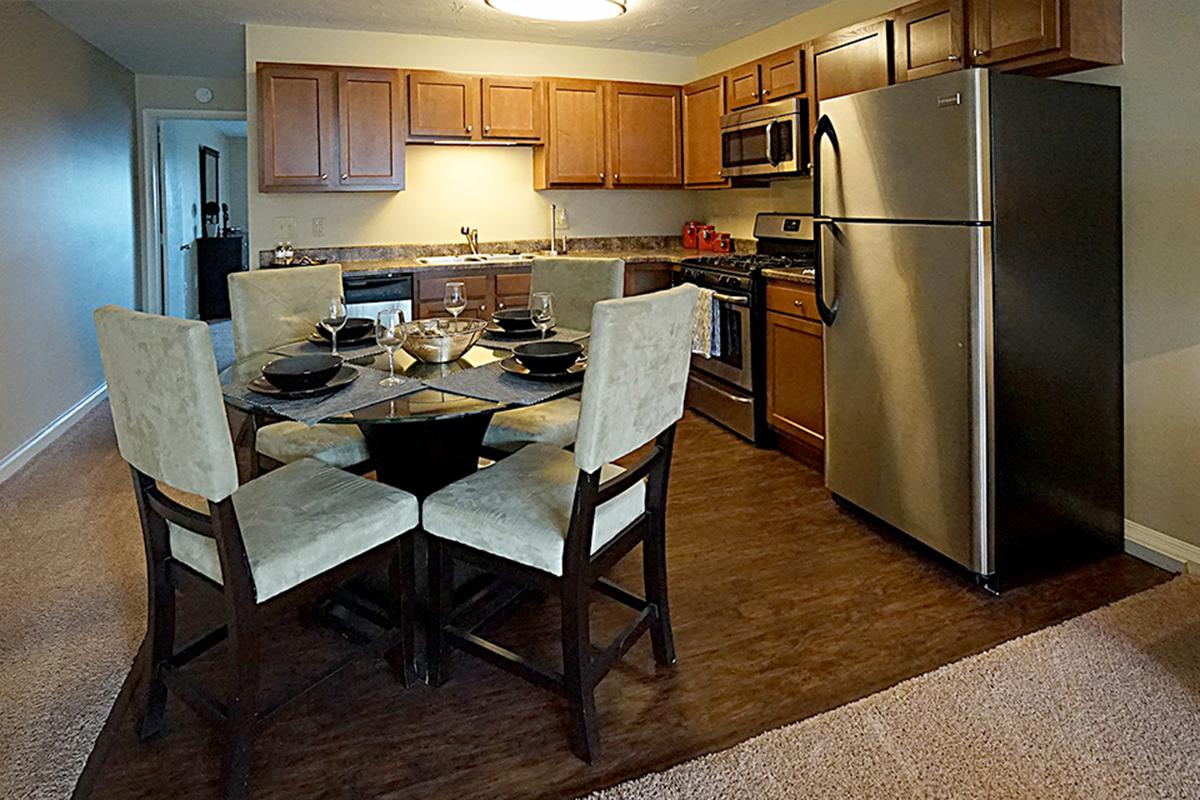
285 228
318 227
562 221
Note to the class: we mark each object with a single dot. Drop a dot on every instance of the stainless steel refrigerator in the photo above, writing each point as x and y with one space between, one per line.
969 275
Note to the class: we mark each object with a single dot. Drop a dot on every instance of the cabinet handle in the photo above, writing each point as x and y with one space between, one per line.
345 177
977 52
499 305
324 176
952 57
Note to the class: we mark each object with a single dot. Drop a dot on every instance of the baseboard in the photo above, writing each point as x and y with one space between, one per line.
1158 548
23 454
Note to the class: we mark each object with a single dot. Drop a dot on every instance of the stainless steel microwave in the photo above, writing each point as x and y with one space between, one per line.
766 141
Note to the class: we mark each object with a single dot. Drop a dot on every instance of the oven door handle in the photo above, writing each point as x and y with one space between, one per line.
727 395
733 300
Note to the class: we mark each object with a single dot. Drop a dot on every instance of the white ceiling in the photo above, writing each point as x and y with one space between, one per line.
204 37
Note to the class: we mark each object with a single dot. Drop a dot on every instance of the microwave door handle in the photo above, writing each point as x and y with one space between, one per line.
771 144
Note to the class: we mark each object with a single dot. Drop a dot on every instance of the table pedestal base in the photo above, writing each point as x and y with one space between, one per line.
422 457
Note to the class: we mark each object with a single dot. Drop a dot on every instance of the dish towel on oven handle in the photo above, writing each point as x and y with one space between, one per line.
706 325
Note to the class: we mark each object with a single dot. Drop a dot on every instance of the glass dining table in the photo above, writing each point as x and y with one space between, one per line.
419 442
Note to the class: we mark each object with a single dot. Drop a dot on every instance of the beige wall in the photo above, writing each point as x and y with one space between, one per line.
490 188
179 92
1161 106
66 201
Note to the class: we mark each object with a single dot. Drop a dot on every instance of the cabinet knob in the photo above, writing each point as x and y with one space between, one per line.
798 303
754 94
766 92
469 128
499 305
617 178
487 128
345 177
601 176
953 57
977 52
324 176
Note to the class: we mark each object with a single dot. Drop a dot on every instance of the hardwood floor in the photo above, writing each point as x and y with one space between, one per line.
784 606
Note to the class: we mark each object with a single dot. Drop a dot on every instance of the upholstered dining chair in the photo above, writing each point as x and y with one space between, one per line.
559 521
277 541
270 307
578 284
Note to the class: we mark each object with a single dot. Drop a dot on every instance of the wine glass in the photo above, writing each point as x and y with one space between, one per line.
335 319
541 310
390 332
455 298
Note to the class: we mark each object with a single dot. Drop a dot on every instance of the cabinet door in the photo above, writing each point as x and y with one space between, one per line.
644 135
703 105
852 60
782 74
371 113
929 39
575 140
646 278
296 128
443 105
743 86
796 378
512 108
1006 29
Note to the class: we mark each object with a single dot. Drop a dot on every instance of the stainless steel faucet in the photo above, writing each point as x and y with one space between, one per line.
553 229
472 235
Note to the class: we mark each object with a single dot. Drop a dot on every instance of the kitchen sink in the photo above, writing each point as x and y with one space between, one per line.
473 258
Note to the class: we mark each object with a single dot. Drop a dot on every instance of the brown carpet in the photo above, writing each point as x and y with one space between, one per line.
1106 705
72 594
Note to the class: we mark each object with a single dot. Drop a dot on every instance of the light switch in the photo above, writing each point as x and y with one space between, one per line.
285 228
318 227
562 218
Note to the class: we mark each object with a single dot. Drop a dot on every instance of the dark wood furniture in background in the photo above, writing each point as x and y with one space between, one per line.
930 39
216 258
795 370
330 129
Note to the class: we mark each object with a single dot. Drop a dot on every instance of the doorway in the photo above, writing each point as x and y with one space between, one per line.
195 193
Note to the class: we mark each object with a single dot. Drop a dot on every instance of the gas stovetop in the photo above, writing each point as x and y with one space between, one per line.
748 264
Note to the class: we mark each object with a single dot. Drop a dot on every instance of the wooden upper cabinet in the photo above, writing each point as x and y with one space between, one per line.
576 137
296 107
1045 37
512 108
782 74
930 39
744 86
703 105
644 135
443 105
852 60
371 112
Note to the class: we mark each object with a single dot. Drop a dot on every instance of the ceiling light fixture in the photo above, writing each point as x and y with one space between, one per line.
561 10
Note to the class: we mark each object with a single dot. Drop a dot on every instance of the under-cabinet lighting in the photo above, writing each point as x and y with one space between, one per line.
561 10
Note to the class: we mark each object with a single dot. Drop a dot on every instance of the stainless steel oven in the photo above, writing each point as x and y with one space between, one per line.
735 363
766 141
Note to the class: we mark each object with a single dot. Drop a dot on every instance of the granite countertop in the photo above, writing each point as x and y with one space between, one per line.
797 275
672 255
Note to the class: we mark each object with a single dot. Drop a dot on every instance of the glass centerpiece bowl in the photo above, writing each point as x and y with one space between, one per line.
440 341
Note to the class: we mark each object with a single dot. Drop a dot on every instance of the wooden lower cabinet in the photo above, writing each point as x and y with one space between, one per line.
796 373
643 278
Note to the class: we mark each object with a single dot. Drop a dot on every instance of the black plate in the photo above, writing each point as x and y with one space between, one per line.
317 338
513 367
355 329
494 331
344 377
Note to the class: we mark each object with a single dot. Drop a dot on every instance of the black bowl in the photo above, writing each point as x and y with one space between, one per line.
355 328
302 372
514 319
547 357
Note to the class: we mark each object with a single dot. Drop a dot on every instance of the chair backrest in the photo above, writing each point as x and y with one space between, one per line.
638 360
578 284
166 400
271 307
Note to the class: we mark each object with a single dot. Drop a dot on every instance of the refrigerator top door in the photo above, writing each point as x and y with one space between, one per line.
915 151
907 381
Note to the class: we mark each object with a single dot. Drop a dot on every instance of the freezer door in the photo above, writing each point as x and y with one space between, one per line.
910 152
907 365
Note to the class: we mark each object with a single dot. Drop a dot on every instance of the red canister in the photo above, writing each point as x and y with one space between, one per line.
723 243
691 235
708 235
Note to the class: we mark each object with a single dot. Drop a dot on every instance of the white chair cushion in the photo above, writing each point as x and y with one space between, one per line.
301 520
549 423
336 445
520 508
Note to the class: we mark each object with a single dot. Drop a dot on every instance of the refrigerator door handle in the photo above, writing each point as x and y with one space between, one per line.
827 311
824 128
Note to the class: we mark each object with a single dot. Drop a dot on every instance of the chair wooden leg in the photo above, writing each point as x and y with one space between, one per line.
654 572
160 636
578 682
242 723
401 572
441 597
